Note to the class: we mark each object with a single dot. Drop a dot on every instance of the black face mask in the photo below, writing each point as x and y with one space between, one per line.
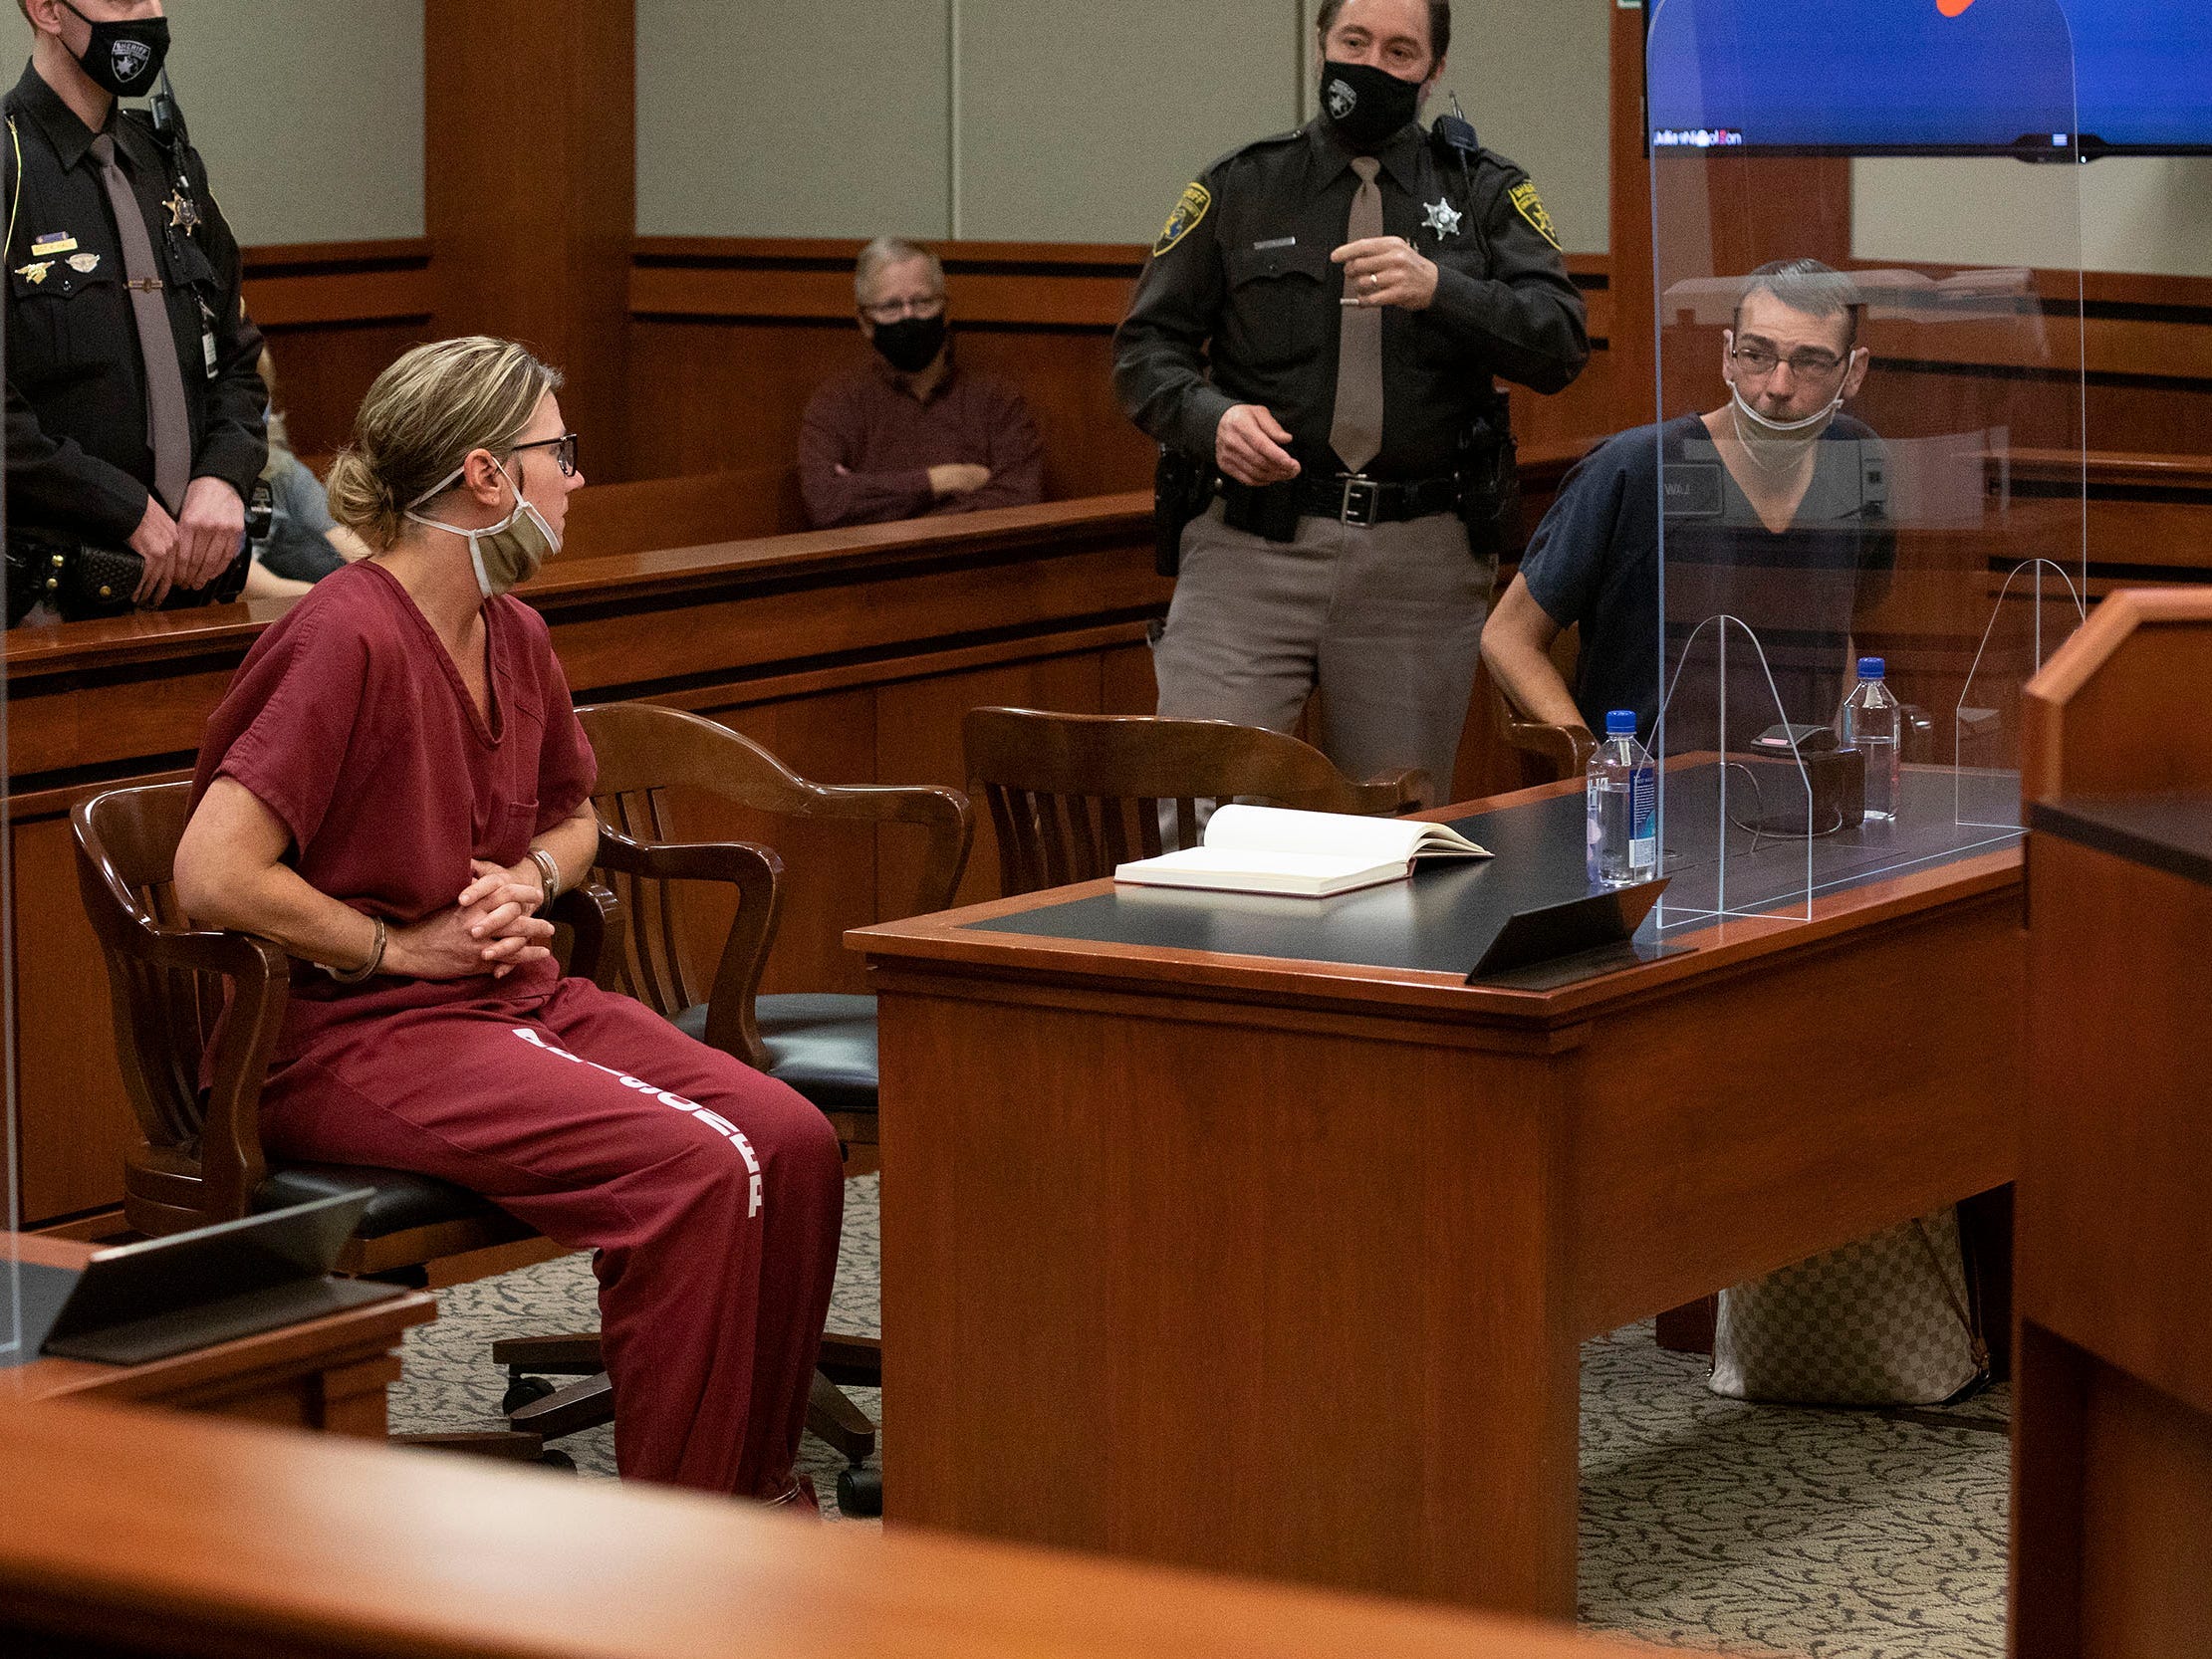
912 343
1366 104
125 58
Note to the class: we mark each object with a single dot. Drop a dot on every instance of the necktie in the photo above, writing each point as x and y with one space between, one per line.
1356 433
169 427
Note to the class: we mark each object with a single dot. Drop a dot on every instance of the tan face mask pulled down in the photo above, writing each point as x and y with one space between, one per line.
507 553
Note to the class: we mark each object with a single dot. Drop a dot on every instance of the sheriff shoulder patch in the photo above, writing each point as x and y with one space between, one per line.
1180 223
1531 209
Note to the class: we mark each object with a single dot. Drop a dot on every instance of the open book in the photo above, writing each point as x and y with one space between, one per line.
1269 849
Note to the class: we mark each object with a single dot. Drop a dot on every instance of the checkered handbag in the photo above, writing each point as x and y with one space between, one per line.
1884 1321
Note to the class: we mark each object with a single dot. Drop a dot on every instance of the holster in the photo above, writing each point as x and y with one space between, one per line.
1183 488
85 583
1490 504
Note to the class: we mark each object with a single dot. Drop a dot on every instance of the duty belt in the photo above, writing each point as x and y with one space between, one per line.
1353 499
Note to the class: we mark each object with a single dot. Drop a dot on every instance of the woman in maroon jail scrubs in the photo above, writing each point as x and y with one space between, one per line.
392 787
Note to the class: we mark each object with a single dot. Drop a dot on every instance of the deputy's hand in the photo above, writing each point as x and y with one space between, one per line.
957 478
208 532
1386 271
154 540
1248 446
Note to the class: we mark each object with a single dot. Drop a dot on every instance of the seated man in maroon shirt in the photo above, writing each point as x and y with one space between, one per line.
910 436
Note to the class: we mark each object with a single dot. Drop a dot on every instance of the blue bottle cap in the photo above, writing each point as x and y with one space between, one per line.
1872 668
1621 723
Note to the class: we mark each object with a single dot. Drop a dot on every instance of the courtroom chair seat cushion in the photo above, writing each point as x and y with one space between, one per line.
819 1043
403 1201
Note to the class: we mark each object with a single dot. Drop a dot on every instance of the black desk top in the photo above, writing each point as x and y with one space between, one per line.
2173 832
1444 917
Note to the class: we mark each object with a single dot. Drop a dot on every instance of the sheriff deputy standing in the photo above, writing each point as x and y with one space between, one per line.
135 412
1352 287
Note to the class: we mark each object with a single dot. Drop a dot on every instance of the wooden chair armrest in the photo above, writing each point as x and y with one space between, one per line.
1391 795
594 918
232 1163
945 815
1567 747
757 874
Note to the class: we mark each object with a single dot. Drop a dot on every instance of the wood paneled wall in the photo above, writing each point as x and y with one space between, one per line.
729 337
334 313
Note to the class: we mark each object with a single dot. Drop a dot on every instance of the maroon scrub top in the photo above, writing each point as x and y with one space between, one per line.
350 722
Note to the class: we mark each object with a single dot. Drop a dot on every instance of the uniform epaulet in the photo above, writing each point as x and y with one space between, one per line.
1270 142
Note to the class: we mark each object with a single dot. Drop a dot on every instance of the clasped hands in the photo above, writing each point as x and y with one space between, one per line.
1250 443
492 928
192 549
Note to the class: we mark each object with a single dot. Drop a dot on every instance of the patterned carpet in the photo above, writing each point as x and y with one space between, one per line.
1705 1522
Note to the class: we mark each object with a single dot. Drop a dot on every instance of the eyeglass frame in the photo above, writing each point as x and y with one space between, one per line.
900 310
564 448
1798 370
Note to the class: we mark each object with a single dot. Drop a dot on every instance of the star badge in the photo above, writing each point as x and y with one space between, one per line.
185 213
1443 219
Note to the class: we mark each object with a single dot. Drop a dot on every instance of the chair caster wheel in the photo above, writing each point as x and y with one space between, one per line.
552 1459
860 1491
523 1392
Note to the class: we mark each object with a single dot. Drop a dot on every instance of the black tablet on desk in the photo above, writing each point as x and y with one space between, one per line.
137 1302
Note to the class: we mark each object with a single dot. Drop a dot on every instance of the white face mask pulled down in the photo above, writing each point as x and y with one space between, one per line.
505 555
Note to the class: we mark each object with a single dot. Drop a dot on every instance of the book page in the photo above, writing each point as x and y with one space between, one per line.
1279 830
1371 839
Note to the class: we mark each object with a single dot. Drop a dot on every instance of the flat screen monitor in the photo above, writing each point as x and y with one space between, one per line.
1930 78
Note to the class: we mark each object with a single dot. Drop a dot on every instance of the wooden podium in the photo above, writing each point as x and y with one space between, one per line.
2112 1438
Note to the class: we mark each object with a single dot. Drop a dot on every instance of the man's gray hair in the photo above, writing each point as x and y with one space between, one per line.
1807 286
885 252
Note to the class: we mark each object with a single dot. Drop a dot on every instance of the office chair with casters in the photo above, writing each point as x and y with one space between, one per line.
1070 796
822 1044
201 1160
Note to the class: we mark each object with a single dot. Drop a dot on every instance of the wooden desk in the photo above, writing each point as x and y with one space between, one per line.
1194 1257
2112 1424
140 1535
328 1373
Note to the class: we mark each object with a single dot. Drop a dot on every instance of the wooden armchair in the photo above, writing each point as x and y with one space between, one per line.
201 1161
1071 795
822 1044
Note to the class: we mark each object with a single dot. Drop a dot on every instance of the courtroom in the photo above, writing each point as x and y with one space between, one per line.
1294 828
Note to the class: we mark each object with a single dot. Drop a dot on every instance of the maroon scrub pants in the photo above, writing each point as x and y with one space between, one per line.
712 1194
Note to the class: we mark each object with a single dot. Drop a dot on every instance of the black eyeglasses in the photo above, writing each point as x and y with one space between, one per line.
564 451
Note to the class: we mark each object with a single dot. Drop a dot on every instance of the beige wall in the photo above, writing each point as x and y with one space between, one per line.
821 119
1077 121
308 112
2125 213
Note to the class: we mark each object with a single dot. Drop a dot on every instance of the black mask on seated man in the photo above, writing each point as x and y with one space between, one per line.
1366 104
125 58
912 343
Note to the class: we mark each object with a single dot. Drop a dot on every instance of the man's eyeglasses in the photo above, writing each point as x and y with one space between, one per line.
898 309
564 451
1804 366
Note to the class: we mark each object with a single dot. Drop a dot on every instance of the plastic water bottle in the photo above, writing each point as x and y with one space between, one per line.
1623 807
1873 722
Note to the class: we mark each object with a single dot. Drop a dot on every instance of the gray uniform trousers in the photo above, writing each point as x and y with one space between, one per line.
1387 621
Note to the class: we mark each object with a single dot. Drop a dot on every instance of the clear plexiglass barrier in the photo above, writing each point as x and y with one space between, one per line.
1866 504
